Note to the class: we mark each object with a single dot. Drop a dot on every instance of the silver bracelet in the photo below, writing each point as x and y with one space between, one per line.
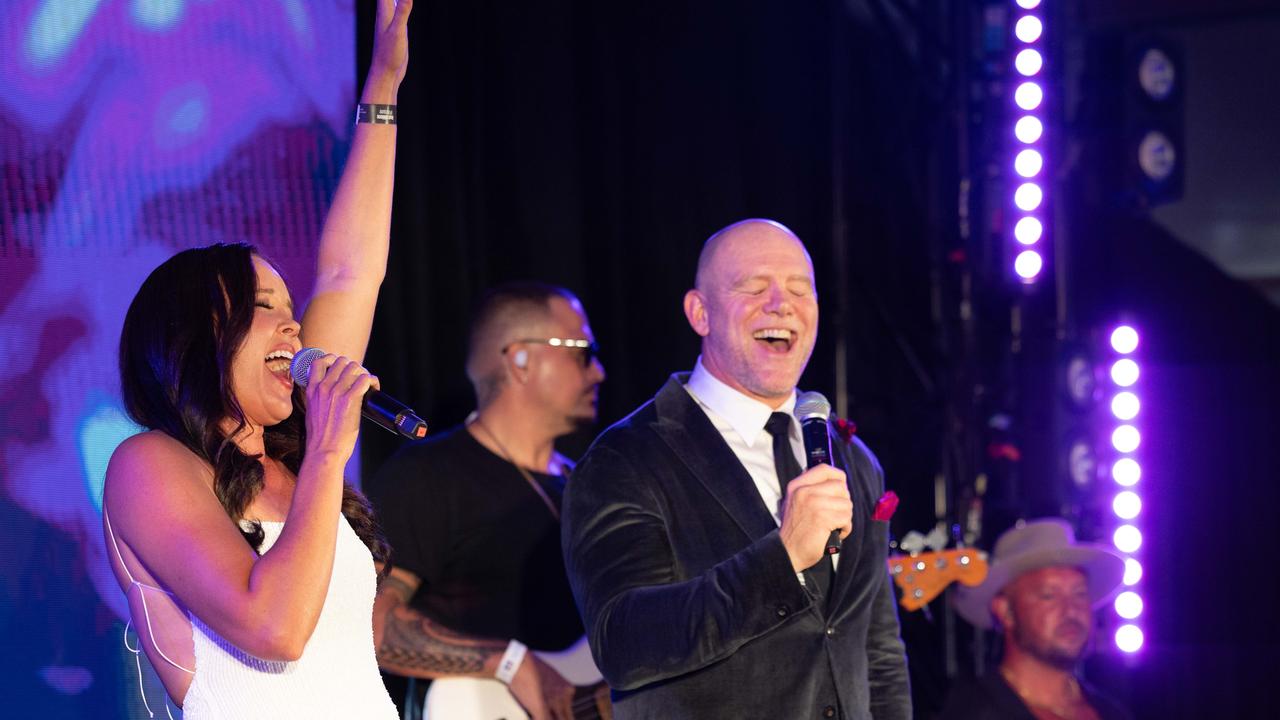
376 114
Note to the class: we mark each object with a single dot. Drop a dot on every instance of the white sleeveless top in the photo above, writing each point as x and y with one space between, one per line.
337 675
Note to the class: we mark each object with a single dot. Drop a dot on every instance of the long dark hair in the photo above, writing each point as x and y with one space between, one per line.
180 335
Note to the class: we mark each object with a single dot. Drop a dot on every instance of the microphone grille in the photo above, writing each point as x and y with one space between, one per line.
300 368
812 405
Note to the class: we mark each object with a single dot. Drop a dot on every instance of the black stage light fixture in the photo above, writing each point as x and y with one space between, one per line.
1078 371
1082 462
1154 98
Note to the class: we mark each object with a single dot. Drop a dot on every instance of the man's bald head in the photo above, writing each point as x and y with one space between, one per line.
755 306
506 314
732 237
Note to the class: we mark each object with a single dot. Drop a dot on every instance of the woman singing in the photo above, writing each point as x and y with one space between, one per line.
247 563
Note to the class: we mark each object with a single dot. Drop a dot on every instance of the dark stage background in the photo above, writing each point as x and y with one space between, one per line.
596 145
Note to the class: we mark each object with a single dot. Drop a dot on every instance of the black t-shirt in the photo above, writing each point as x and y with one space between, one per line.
483 542
990 698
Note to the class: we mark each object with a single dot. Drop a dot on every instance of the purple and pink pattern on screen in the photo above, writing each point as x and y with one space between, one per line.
129 131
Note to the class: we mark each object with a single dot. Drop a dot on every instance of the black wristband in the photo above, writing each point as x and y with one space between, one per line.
376 114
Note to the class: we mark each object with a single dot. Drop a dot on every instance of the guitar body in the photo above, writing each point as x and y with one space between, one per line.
466 698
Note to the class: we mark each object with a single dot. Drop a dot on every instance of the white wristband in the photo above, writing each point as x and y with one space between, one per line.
510 662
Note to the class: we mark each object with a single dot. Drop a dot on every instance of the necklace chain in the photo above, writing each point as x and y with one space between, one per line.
528 477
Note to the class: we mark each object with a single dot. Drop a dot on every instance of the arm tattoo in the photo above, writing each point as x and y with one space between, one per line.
414 645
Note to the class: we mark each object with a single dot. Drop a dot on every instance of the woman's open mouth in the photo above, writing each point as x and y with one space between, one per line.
278 362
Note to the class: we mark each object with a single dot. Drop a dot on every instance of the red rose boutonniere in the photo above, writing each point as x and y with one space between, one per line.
885 506
845 429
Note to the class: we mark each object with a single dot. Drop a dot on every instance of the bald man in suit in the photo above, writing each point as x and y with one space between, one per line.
694 544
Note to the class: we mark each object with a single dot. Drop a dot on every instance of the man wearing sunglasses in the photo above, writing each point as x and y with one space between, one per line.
472 513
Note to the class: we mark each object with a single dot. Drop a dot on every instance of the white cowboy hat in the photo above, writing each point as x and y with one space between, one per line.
1033 545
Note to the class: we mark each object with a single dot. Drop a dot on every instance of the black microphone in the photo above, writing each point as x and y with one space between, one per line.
379 407
813 410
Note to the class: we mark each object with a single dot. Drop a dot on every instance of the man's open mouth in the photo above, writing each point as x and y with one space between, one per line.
778 340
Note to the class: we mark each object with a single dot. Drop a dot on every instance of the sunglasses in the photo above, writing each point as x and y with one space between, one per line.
589 350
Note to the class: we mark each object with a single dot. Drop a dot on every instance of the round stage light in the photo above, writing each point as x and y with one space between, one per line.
1081 381
1126 472
1127 539
1028 62
1129 638
1028 264
1157 156
1028 163
1157 74
1028 4
1125 405
1028 129
1028 231
1125 438
1124 372
1127 505
1028 28
1132 571
1128 605
1124 339
1028 196
1082 464
1028 96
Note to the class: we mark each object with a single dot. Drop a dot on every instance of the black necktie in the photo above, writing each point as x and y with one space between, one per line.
784 458
787 467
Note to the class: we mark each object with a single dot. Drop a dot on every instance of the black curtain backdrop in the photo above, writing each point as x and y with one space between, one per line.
596 145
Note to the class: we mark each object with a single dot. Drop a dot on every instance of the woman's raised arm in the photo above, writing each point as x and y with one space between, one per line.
352 258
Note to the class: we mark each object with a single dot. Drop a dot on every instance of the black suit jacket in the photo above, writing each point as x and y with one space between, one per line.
688 595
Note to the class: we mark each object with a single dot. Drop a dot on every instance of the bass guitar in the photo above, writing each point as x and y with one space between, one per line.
922 576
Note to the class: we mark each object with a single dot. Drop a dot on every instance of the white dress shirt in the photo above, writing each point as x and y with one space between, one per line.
740 420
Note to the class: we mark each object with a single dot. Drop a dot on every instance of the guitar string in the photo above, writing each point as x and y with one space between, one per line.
587 703
585 700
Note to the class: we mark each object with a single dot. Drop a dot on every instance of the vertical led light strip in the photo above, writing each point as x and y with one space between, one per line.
1028 156
1126 472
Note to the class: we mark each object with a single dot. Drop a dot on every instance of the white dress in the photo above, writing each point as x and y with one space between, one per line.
337 675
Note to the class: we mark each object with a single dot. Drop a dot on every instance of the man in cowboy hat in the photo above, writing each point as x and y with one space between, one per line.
1040 592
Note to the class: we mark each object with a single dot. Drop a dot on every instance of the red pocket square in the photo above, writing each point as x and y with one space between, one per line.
845 429
885 506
